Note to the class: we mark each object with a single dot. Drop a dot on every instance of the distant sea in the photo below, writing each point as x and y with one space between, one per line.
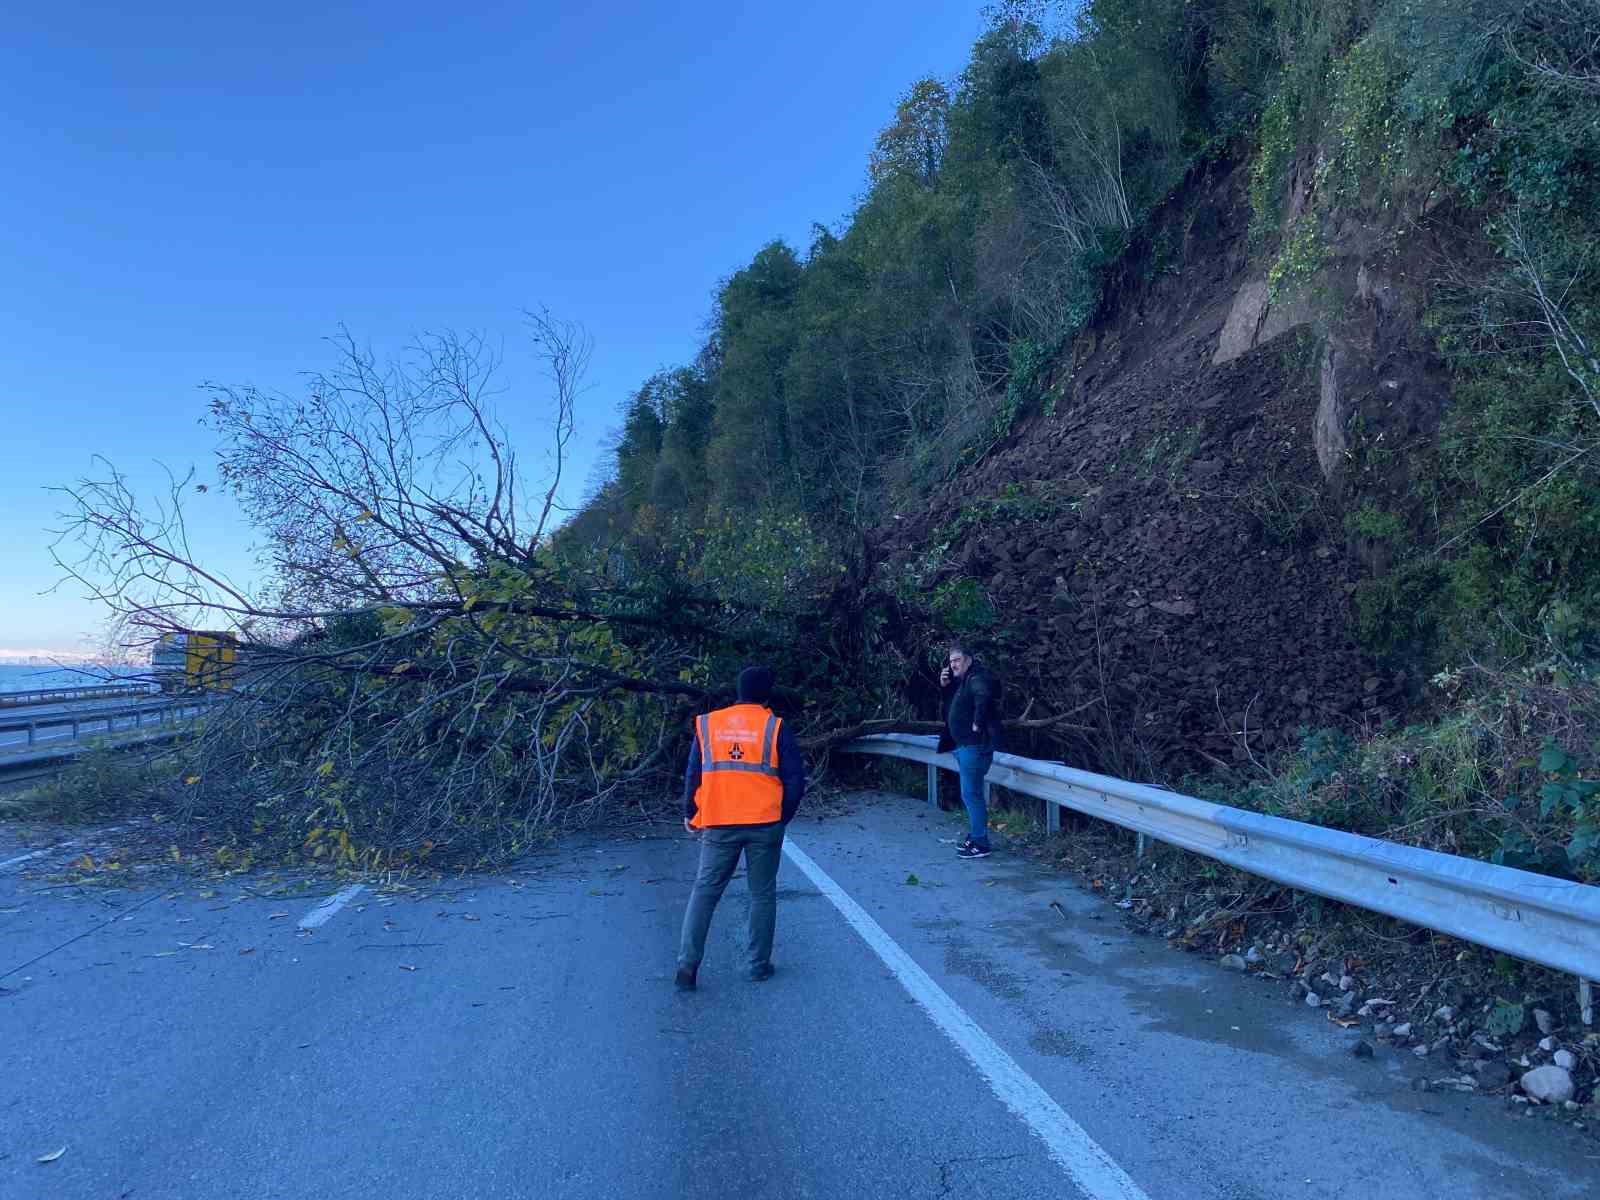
28 676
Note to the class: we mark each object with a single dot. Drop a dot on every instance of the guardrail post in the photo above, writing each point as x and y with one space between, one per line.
1139 847
1052 817
76 728
1586 1001
33 732
933 786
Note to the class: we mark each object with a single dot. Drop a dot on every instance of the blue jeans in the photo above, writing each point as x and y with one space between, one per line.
973 762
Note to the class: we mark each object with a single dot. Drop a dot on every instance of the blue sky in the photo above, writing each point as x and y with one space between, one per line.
193 194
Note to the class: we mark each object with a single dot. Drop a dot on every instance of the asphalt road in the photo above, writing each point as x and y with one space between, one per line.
519 1036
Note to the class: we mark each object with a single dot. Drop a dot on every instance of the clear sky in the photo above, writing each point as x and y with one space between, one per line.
198 193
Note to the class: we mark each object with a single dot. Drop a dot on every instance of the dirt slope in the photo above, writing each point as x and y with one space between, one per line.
1160 535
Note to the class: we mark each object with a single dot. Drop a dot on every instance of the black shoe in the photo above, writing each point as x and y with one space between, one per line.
763 972
685 979
971 849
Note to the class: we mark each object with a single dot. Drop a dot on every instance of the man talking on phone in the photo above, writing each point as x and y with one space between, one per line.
970 695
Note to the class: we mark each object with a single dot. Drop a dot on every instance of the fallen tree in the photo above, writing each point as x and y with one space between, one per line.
419 668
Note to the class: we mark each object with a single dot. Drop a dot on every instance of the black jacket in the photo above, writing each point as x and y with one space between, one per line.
972 700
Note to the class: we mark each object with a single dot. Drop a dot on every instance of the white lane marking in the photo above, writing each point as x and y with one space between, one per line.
322 913
1090 1167
67 845
22 858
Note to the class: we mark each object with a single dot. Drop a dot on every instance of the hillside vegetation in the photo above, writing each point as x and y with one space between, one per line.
1229 370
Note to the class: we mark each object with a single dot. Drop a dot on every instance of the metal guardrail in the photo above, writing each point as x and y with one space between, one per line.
89 691
1554 922
80 721
20 767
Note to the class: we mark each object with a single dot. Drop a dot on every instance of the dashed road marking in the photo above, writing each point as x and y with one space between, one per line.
322 913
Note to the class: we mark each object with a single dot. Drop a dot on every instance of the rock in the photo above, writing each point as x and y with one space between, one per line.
1346 1004
1347 983
1383 1029
1548 1085
1565 1060
1547 1044
1545 1022
1254 955
1494 1073
1234 963
1284 964
1362 1049
1174 608
1403 1030
1444 1013
1420 1051
1313 1000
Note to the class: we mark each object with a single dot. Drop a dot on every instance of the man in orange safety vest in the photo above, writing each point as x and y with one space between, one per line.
743 783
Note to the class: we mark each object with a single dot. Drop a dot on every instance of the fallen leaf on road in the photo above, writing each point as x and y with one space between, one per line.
208 894
407 967
275 916
1060 912
164 954
247 950
50 1158
1344 1022
84 862
197 945
990 882
470 917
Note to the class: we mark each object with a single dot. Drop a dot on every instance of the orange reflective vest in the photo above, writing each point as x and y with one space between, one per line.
739 782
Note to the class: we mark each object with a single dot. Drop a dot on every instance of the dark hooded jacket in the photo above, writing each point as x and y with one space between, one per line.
972 700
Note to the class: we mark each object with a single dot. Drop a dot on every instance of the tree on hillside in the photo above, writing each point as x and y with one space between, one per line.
913 144
749 458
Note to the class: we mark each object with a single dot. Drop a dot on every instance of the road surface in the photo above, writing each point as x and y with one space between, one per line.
519 1036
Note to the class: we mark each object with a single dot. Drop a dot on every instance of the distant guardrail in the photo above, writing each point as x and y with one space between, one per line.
79 722
1554 922
92 691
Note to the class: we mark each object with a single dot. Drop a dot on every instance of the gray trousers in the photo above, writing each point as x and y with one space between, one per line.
720 847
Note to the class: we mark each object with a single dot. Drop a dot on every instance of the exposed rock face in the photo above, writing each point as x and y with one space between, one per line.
1256 319
1378 369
